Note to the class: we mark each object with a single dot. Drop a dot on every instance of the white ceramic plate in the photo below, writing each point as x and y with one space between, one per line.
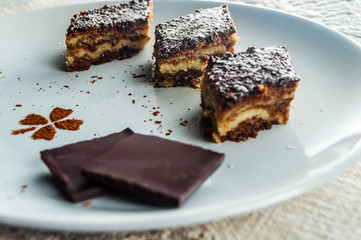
279 164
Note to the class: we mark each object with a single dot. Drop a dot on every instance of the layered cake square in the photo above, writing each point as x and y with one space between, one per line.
111 32
246 92
183 45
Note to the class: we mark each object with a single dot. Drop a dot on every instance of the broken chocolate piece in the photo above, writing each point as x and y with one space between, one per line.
65 164
158 170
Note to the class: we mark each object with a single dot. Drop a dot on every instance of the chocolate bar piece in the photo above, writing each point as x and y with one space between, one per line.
158 170
246 92
65 164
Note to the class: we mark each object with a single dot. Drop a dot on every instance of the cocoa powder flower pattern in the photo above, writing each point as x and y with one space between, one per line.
48 131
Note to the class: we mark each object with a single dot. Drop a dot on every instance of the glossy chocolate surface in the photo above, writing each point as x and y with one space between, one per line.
65 164
158 170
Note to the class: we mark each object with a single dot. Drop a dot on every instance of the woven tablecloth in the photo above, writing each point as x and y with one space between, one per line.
331 211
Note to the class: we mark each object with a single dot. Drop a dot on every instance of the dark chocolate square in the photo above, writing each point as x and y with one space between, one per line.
65 164
158 170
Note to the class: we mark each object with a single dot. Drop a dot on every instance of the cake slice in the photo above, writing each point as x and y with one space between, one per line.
111 32
246 92
183 45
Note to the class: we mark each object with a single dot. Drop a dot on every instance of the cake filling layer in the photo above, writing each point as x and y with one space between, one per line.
226 126
74 54
273 113
95 38
198 62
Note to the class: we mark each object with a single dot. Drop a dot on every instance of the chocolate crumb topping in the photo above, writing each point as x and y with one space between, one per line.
236 76
119 16
186 32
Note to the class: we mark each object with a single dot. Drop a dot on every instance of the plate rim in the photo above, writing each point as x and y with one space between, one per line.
349 159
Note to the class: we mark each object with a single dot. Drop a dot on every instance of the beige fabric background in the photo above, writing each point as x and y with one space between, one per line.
331 211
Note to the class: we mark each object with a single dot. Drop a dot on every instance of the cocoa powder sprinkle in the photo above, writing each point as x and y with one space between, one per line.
69 124
87 203
46 133
22 131
59 113
34 119
23 188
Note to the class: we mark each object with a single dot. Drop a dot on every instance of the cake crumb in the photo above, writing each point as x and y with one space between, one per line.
184 123
139 76
23 188
87 203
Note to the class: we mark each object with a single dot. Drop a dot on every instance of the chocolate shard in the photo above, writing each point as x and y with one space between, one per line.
157 170
65 164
